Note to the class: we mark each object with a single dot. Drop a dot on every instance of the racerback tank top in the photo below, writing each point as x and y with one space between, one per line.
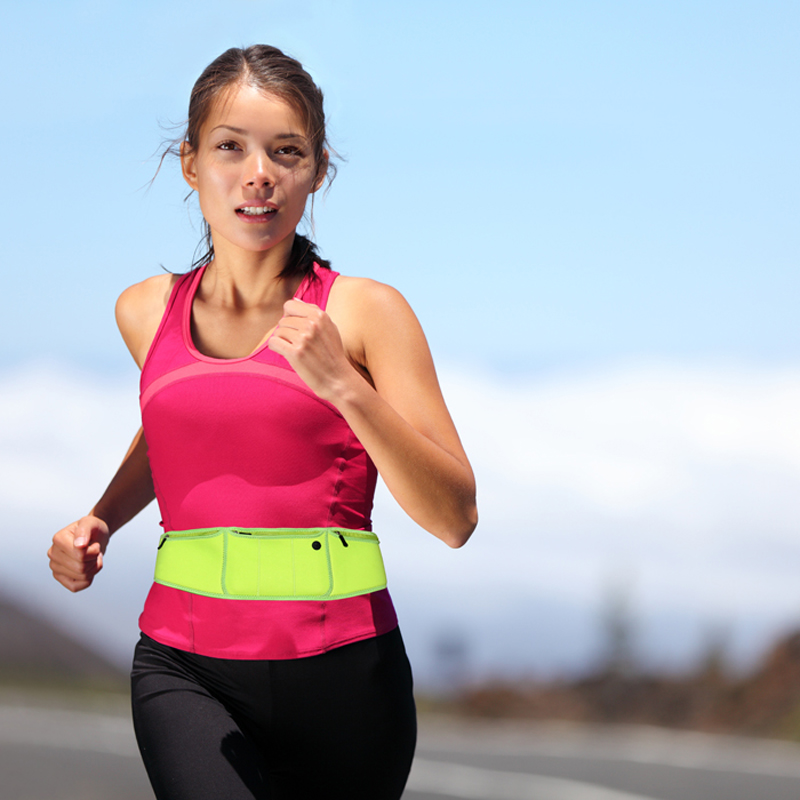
244 442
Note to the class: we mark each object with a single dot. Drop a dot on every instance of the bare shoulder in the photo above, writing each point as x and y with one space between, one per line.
139 311
369 303
380 330
151 291
394 352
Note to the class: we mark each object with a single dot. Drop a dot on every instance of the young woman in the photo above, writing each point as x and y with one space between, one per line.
270 663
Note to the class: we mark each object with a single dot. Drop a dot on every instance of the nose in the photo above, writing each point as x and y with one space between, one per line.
258 171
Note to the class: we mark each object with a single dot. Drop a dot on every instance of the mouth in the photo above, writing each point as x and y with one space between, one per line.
255 211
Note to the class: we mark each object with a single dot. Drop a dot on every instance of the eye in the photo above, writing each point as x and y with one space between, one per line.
289 150
228 145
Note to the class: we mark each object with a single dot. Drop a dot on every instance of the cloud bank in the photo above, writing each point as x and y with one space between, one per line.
677 482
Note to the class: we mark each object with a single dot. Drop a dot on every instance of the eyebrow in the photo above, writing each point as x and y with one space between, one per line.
243 132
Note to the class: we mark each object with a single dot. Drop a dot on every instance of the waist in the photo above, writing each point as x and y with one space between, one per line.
271 563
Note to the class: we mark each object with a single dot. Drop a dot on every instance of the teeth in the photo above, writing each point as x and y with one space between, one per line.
255 211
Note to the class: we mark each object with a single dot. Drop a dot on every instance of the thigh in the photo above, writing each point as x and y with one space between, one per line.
347 722
192 747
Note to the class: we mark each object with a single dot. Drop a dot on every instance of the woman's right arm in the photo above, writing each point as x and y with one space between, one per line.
76 554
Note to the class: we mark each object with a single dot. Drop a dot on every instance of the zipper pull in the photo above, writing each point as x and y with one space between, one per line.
344 541
163 540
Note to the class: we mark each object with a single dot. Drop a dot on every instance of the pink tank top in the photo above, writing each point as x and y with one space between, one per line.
244 442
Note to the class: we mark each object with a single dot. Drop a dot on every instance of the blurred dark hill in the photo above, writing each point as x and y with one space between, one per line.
763 703
36 654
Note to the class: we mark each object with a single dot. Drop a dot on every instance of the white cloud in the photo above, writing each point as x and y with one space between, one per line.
693 449
683 477
61 435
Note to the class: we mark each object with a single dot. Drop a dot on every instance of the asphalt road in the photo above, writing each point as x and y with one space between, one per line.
78 755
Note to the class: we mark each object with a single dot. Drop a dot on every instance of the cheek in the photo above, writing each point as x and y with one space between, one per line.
299 184
214 186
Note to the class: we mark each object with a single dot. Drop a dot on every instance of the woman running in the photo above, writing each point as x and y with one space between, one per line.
273 390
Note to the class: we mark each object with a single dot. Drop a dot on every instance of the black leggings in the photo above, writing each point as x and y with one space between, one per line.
337 725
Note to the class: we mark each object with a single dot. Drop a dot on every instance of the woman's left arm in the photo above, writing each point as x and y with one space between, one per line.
375 367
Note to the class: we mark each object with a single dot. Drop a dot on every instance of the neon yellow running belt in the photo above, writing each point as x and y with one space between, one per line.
271 563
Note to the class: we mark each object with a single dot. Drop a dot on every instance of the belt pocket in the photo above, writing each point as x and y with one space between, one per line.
275 566
356 563
192 561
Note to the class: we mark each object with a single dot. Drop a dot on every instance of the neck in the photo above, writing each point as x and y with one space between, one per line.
244 279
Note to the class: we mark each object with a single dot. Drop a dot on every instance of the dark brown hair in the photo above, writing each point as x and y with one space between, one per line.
273 72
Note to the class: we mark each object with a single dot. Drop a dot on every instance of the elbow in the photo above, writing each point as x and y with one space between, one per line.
464 518
457 534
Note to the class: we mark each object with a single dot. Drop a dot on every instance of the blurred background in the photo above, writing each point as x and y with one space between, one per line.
593 209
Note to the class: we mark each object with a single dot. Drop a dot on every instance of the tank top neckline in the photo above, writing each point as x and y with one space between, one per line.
187 321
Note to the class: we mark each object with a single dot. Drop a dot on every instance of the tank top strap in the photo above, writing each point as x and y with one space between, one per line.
173 313
316 286
167 344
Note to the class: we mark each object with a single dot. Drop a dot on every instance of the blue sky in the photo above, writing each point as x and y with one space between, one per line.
548 183
593 208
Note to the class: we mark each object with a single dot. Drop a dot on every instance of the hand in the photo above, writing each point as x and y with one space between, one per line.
309 340
76 554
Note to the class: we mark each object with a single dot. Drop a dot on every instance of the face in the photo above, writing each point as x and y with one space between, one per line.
253 170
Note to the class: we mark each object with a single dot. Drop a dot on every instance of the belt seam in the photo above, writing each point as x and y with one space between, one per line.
319 598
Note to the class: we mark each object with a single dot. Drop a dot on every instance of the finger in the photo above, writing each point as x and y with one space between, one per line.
90 529
72 558
64 539
293 331
83 534
282 345
291 344
69 579
57 555
288 324
75 569
295 306
73 555
72 584
298 309
92 551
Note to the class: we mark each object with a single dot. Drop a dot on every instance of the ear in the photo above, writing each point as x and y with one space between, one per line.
322 171
188 156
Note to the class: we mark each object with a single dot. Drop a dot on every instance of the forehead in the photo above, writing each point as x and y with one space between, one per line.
250 109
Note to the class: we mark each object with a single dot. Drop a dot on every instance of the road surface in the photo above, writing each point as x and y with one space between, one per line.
80 755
